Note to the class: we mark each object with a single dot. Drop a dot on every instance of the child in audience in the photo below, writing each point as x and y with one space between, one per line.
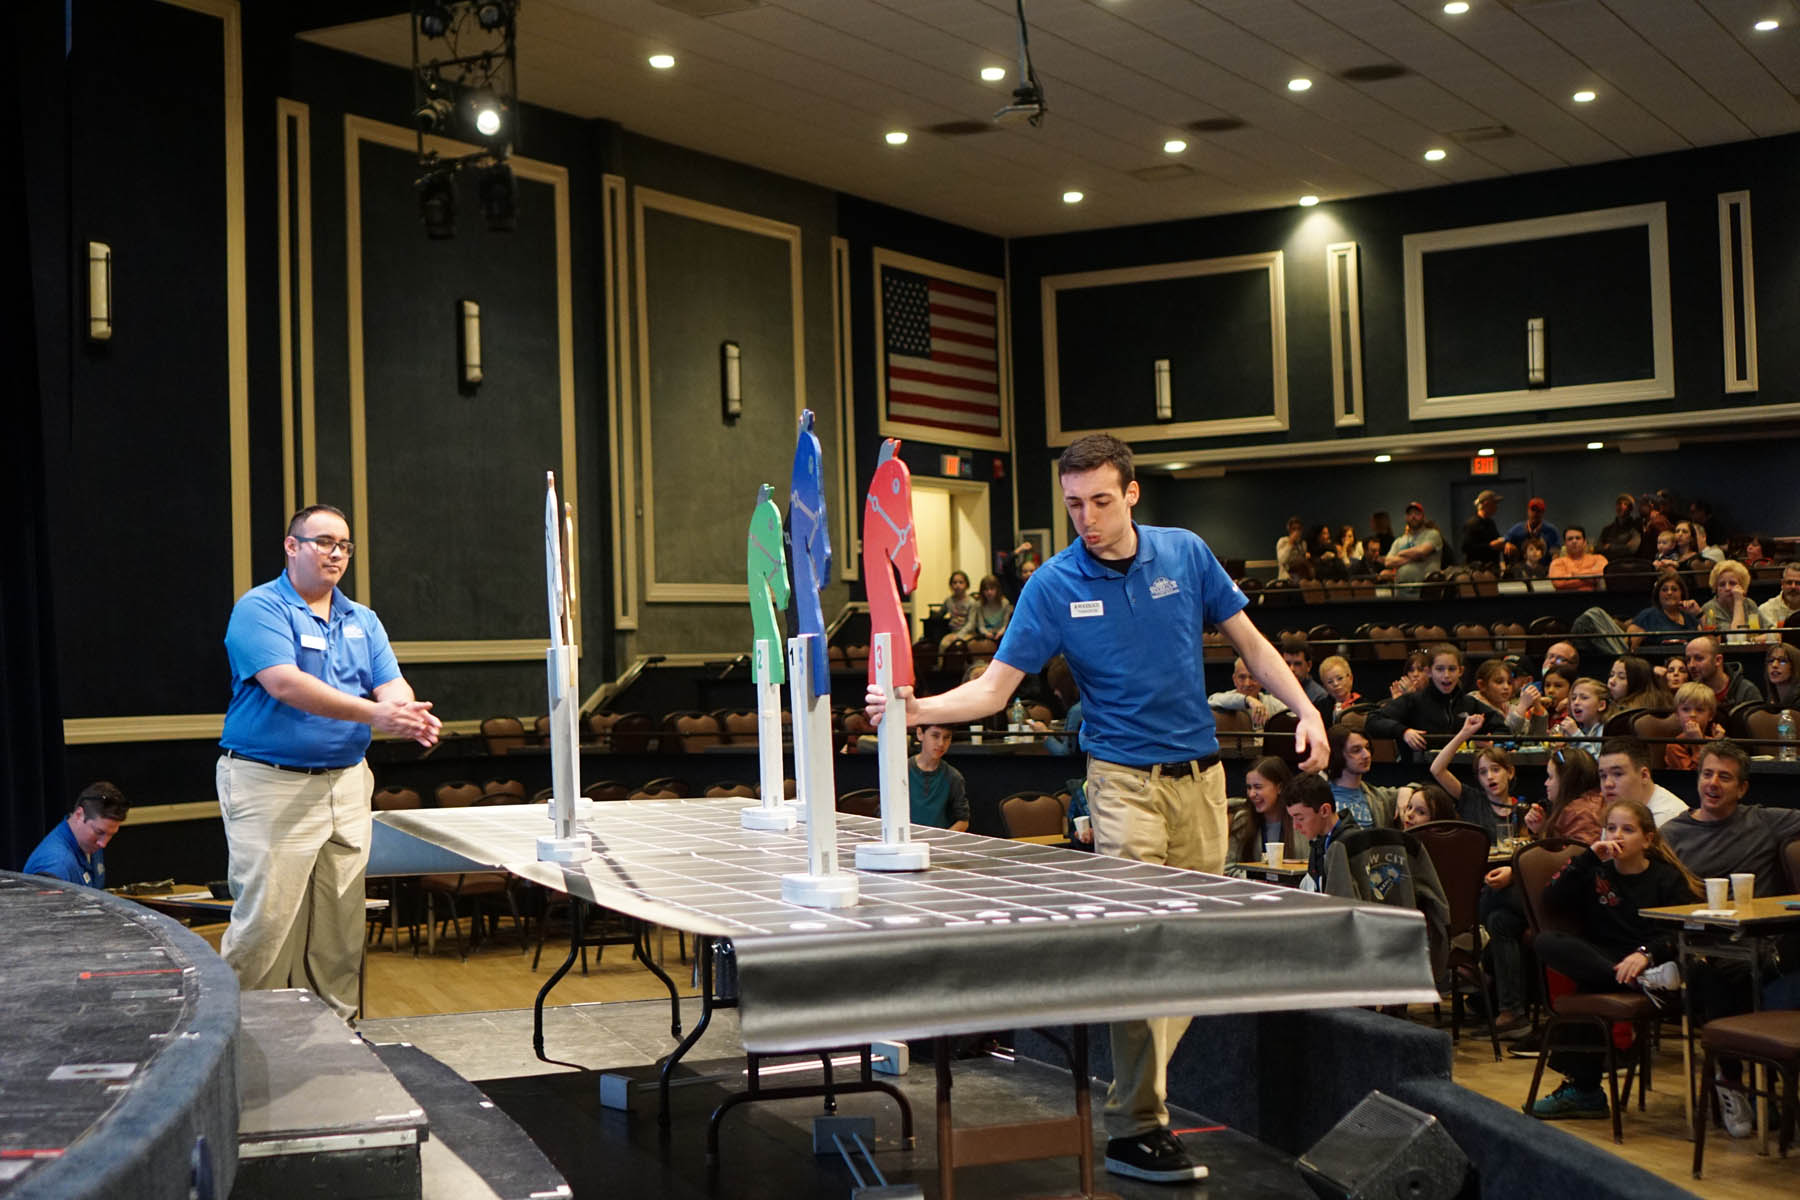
1730 610
1781 675
1668 551
1340 683
1308 801
1437 708
1695 706
1533 562
1414 678
1673 673
1419 803
1632 684
958 606
991 612
1588 702
1605 888
1344 770
1492 805
1264 819
1493 698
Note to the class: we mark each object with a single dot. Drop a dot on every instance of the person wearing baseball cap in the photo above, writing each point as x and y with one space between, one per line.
1624 536
1481 540
1417 552
1533 526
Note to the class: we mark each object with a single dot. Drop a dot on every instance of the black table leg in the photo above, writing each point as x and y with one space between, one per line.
577 917
704 956
641 948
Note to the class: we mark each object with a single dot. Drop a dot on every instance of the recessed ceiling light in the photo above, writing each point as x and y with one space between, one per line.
1308 201
1435 154
662 62
1384 458
1456 8
1179 466
1596 445
1485 451
1174 146
896 137
1073 197
993 74
1584 96
1766 26
1299 84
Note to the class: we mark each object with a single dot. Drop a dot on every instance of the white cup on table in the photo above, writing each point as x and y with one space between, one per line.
1717 892
1273 852
1743 888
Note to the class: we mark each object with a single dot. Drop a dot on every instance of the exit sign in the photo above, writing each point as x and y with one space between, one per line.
1484 464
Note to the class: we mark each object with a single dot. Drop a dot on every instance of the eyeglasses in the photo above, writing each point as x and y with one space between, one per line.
330 545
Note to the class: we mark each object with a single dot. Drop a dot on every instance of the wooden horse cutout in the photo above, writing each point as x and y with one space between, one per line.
765 562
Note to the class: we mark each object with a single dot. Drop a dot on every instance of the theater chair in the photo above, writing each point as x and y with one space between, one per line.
863 802
1034 814
503 735
1459 851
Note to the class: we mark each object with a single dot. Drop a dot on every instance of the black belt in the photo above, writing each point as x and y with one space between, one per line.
1193 766
263 762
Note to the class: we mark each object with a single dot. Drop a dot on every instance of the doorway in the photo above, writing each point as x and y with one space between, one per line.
951 519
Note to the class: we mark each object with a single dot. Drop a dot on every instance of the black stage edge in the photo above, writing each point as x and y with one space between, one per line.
118 1072
1287 1078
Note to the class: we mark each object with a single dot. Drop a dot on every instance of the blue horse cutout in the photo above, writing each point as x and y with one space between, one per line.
809 545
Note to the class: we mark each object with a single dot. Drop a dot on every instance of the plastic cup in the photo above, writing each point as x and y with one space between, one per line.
1716 892
1083 824
1743 887
1273 852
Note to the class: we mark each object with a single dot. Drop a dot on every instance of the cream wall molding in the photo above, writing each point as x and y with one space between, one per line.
174 727
294 278
1737 292
621 442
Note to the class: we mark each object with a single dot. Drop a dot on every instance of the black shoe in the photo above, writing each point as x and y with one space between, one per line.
1156 1155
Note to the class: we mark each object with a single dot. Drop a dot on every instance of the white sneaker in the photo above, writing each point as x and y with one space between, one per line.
1734 1109
1664 977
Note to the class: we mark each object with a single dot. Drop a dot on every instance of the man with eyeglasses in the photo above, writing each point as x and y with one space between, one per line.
311 674
74 850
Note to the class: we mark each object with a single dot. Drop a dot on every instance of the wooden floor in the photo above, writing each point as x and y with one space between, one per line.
496 975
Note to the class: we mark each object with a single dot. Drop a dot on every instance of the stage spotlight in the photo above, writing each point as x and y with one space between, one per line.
433 115
492 14
434 20
437 203
500 198
490 115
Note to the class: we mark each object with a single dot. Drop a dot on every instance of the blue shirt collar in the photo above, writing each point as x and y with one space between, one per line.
340 603
1093 568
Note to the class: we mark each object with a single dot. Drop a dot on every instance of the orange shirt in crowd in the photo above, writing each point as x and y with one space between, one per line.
1562 567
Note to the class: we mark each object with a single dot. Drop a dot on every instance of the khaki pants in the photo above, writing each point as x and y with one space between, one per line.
299 844
1181 821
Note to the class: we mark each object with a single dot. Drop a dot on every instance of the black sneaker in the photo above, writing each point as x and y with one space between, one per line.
1156 1155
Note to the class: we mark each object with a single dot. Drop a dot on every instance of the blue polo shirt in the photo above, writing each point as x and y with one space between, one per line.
59 856
349 650
1133 642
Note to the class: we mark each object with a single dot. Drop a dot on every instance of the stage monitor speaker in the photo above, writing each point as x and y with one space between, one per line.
1385 1150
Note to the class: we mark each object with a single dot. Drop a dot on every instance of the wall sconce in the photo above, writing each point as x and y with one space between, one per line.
99 291
1534 352
469 343
1165 402
731 380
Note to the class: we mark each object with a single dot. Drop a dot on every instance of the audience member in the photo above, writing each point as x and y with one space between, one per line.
1421 803
1687 551
1704 548
75 850
1290 548
1706 664
1491 805
1781 675
1730 609
1381 530
1264 819
1754 552
1013 567
1605 888
1532 562
991 613
1588 703
1561 654
1416 675
1349 546
1340 688
1632 684
1437 708
1577 568
1625 775
957 607
1624 535
1368 564
1668 550
1670 619
1493 699
1695 707
1653 516
1533 526
1481 540
1572 786
940 797
1672 674
1559 681
1314 813
1296 651
1247 695
1417 552
1779 607
1350 761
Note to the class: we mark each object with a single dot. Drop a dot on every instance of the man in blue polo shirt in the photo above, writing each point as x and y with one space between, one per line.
311 674
1126 607
75 850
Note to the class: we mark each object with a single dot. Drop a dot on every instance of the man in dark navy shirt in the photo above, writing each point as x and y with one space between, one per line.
75 850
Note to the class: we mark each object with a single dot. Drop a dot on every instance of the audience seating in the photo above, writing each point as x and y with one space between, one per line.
1547 627
1278 738
606 789
1389 642
543 795
388 799
1033 814
482 888
457 794
1533 867
666 787
1426 636
541 727
1216 648
627 732
504 785
856 656
690 732
730 788
925 656
503 734
1475 640
1235 737
1770 1038
1459 851
1509 638
739 725
1651 724
1753 721
864 802
1040 712
980 649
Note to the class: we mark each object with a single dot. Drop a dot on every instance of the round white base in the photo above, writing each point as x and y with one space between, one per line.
893 856
575 849
799 808
820 891
779 819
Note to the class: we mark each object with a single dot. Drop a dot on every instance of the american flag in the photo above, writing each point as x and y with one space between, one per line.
942 364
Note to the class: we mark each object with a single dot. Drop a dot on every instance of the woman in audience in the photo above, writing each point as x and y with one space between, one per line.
1265 819
991 612
1730 610
1781 675
1327 563
1350 547
1671 618
1589 702
1753 554
1492 804
1632 684
1335 675
1673 673
1605 888
1419 803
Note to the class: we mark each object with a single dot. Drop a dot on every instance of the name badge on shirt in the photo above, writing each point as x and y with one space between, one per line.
311 641
1087 608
